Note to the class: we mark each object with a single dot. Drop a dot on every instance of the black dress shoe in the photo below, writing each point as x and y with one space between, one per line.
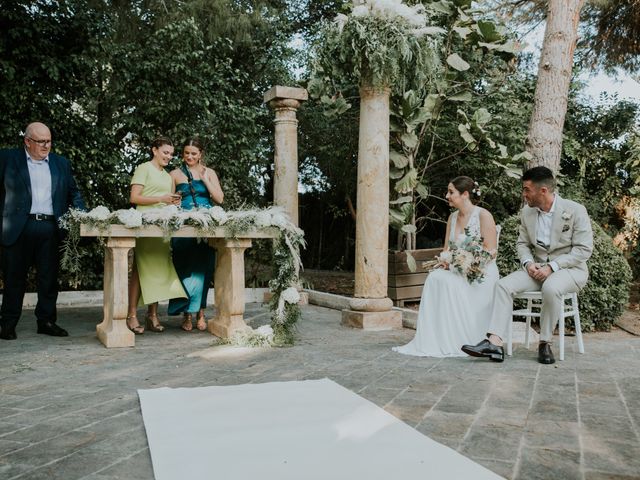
8 333
53 330
545 355
485 349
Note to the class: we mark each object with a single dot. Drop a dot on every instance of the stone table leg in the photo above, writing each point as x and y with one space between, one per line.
229 287
113 331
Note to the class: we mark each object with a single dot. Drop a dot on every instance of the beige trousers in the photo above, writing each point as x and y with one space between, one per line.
553 288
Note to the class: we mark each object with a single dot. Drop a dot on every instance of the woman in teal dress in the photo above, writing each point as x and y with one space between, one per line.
193 258
153 277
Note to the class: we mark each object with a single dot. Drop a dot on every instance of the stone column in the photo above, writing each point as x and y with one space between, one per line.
113 331
286 101
229 287
371 308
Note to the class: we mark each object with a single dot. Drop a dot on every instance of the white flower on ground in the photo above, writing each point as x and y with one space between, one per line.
290 295
130 218
218 214
265 331
99 213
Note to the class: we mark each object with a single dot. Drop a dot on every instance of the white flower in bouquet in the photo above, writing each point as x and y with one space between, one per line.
218 214
469 258
131 218
290 295
100 213
445 257
464 259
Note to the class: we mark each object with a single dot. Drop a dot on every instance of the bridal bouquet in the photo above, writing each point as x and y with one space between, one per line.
468 258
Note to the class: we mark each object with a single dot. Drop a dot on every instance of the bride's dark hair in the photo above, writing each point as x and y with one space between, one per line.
466 184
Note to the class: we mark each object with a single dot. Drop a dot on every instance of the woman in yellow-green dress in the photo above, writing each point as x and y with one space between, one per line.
154 277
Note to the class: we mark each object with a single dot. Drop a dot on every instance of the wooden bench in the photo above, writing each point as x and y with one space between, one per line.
228 278
403 284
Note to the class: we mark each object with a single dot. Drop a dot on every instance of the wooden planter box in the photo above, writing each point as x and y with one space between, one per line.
403 284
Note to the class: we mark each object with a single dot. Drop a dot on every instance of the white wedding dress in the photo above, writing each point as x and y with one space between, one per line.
452 311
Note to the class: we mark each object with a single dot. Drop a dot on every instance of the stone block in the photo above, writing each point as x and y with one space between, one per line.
277 92
388 320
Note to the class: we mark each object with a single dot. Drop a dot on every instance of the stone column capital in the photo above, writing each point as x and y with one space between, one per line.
278 92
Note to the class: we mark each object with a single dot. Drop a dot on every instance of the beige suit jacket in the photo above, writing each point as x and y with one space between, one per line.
571 241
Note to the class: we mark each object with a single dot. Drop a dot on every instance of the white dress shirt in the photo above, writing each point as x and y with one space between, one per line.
543 231
40 176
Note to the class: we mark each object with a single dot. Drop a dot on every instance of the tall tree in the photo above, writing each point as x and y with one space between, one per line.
544 139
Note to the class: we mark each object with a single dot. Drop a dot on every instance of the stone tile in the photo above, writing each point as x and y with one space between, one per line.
464 397
596 404
552 435
411 407
380 396
609 427
610 456
498 443
545 464
72 467
442 424
8 446
591 475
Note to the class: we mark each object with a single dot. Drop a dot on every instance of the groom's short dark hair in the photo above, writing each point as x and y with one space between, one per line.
540 176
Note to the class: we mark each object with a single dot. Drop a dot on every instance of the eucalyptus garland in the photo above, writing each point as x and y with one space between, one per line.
285 311
379 44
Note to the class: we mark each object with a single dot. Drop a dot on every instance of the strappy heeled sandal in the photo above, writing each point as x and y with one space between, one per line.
187 324
201 324
153 323
137 329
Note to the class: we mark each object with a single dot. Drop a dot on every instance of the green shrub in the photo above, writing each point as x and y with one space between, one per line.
604 297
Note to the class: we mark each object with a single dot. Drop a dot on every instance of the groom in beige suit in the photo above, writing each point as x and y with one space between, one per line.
554 245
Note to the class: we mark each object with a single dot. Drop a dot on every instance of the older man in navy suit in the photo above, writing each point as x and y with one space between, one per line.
36 189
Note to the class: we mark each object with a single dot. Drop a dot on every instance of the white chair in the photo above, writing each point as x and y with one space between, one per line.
534 303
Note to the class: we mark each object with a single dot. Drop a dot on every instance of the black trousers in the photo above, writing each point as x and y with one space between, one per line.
37 245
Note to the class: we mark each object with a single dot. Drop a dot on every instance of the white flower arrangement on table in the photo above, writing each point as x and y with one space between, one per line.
468 258
286 249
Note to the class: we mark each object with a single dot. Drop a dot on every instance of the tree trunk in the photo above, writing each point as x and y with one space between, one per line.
544 140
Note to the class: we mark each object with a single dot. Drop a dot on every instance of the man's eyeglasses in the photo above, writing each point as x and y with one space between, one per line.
42 143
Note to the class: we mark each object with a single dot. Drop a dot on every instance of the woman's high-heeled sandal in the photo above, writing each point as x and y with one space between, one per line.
201 324
153 323
137 329
187 324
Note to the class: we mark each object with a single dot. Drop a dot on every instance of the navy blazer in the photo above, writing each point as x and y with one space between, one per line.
15 191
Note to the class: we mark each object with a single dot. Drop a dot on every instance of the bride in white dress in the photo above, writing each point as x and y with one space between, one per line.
454 312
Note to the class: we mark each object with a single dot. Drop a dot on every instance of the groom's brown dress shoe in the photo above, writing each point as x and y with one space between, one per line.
545 355
485 349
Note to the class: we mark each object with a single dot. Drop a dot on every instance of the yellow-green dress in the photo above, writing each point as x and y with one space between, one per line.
158 277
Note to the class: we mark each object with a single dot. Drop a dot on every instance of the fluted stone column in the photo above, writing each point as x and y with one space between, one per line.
371 308
286 101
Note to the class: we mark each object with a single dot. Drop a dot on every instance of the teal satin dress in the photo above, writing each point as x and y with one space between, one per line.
193 258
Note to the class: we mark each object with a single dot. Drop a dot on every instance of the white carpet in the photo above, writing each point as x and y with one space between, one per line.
314 429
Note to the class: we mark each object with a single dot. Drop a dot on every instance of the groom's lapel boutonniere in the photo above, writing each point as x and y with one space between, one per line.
566 216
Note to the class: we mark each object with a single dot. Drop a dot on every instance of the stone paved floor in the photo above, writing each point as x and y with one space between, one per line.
69 408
